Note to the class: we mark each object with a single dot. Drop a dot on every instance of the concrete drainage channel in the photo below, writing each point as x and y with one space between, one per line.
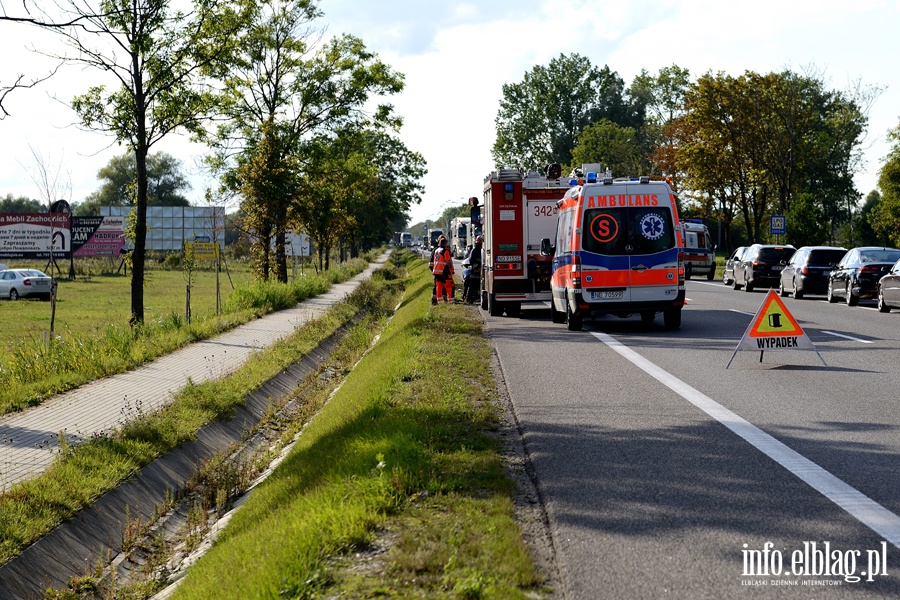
96 533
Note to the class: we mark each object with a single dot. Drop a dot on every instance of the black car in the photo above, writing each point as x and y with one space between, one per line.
761 265
735 258
889 289
858 272
807 271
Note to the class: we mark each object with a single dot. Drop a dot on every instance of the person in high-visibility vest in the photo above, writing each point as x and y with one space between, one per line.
443 272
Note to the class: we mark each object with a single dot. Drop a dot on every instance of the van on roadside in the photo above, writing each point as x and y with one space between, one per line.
618 251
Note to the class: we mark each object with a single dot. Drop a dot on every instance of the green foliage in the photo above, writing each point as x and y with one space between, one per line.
806 225
752 145
885 219
614 147
286 96
21 204
867 235
165 182
161 54
540 117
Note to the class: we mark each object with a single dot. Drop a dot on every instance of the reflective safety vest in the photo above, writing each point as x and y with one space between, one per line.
443 263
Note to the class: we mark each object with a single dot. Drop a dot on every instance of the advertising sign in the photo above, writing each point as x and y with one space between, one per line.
35 235
98 236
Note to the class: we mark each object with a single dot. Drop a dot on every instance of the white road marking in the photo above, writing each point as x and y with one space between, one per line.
849 337
715 282
742 312
860 506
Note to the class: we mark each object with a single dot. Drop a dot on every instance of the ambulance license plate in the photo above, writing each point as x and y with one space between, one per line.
608 295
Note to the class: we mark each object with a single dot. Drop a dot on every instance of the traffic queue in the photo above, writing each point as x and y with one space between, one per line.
863 273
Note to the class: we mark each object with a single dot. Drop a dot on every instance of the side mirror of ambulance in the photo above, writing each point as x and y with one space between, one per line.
546 248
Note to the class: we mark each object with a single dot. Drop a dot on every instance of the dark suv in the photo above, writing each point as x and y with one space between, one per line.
761 265
807 271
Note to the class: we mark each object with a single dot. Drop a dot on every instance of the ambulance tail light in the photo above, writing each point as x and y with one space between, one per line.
681 268
576 271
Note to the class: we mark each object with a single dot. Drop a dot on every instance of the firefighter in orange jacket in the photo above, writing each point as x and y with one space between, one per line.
443 271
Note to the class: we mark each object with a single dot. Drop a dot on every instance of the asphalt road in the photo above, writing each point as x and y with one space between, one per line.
664 474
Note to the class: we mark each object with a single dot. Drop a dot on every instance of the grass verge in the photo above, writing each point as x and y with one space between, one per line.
31 509
31 371
400 458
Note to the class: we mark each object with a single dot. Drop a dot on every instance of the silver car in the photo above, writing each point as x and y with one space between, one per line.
25 283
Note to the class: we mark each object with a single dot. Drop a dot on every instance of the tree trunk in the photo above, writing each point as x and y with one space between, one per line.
138 255
280 257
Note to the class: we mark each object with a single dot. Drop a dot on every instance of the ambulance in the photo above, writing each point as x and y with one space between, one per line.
699 253
618 251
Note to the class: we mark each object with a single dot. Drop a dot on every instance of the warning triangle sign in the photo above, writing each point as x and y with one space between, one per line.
774 328
773 318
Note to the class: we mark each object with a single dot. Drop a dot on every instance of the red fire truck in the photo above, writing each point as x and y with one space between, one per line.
520 208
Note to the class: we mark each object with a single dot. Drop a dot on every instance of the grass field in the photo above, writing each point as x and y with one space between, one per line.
92 302
91 336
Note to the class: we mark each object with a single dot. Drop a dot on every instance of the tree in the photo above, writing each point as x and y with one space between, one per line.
772 138
711 156
51 181
267 174
335 175
806 225
614 147
540 117
283 76
663 97
21 204
165 182
155 54
885 219
864 230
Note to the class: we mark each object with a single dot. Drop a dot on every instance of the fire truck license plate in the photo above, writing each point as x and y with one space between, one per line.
612 295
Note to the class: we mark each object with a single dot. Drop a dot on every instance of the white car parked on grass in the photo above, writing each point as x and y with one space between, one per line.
22 283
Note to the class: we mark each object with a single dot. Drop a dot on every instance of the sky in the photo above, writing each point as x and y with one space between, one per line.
456 56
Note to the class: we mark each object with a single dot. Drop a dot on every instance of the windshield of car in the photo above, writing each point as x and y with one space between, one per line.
32 273
628 230
775 254
824 258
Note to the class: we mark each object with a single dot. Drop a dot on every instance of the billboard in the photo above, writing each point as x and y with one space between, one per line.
168 227
32 236
35 235
98 236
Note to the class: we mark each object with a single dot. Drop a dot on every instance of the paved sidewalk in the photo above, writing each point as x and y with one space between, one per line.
28 439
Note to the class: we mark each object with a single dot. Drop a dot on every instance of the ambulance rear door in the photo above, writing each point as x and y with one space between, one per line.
630 245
